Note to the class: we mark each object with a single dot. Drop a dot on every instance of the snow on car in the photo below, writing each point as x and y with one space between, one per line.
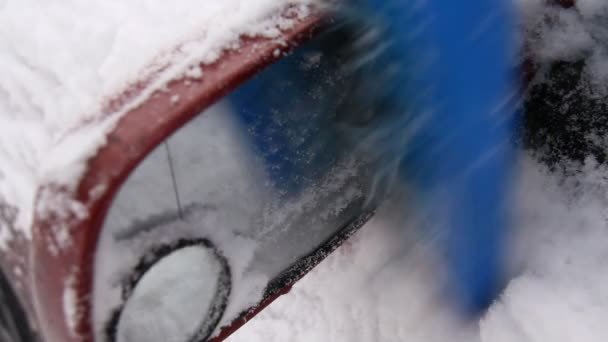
113 185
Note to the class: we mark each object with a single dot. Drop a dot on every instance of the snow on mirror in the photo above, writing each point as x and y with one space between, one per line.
267 177
178 299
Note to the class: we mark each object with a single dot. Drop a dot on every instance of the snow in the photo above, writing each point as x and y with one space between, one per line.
385 285
554 34
225 198
374 289
161 310
70 305
219 194
61 61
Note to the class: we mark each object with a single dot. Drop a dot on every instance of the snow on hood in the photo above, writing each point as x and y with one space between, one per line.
61 61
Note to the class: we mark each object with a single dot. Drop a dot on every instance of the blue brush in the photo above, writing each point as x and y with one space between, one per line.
449 123
426 89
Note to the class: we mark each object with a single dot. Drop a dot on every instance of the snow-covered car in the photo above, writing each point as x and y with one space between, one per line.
151 219
146 174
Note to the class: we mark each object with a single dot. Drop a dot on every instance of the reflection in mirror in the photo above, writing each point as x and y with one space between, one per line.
269 176
178 299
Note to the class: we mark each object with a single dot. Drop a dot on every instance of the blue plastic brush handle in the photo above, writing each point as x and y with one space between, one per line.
452 89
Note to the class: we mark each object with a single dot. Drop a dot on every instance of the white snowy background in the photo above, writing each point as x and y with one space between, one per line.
60 59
